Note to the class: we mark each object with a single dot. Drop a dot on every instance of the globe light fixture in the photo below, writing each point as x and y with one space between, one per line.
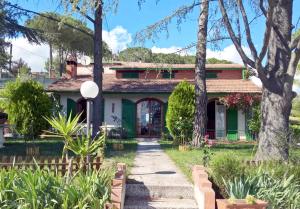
89 90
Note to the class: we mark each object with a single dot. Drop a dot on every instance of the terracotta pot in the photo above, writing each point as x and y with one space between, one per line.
183 148
118 146
241 204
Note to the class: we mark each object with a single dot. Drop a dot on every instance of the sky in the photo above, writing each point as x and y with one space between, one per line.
119 29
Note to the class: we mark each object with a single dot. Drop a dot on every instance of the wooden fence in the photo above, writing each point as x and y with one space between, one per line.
56 165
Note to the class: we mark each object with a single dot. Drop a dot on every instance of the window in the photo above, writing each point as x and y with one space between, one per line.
211 75
130 75
168 75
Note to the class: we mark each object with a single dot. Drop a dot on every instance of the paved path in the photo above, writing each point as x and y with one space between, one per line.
155 182
153 166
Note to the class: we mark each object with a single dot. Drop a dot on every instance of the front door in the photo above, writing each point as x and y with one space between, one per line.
149 118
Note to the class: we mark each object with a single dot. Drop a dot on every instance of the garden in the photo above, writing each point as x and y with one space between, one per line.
230 165
54 164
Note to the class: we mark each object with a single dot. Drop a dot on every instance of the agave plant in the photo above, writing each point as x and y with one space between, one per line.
65 128
240 188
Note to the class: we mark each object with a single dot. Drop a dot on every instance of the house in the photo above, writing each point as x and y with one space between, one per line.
136 95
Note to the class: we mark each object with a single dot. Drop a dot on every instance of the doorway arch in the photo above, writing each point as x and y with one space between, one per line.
149 117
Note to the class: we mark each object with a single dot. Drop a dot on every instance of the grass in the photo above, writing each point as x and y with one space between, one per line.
53 147
186 160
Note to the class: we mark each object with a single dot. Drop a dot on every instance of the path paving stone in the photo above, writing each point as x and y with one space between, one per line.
155 181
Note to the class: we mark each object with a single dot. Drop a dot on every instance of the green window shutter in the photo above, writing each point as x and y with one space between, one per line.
232 124
71 108
168 75
211 75
103 110
130 75
129 117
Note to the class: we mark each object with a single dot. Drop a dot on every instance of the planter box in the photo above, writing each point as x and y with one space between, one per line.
118 146
184 148
241 204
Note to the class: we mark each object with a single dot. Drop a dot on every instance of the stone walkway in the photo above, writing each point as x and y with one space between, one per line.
155 181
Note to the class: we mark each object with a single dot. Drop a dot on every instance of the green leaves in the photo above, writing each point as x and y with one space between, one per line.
26 103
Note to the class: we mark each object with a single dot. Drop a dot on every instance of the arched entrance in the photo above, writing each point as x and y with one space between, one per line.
211 119
149 118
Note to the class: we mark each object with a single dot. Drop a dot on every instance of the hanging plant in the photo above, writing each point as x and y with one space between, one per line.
241 101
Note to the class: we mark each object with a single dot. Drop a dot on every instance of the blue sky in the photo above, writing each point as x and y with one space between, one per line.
119 28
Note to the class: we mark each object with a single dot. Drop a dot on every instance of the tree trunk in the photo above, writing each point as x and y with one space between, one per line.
200 77
277 92
51 59
98 69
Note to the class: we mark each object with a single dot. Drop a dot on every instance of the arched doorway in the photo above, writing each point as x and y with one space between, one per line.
81 108
149 118
211 119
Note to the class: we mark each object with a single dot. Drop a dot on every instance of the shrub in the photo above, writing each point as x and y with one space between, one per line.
26 102
41 189
180 114
225 166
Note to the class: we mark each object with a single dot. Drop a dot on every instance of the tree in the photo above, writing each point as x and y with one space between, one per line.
20 67
64 39
277 74
181 110
26 102
217 61
200 118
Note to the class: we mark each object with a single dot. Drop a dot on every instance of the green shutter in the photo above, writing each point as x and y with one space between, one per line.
103 110
165 109
71 108
232 124
130 75
129 117
211 75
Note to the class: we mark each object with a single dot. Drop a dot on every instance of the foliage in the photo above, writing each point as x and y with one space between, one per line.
217 61
254 122
207 156
226 167
26 103
180 114
241 187
242 101
42 189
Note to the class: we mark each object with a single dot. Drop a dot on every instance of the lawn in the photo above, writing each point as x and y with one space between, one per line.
53 147
186 160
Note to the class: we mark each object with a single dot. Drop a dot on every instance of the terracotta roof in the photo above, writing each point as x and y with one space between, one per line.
113 85
135 65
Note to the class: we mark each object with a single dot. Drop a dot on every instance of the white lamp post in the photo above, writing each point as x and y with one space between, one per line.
89 90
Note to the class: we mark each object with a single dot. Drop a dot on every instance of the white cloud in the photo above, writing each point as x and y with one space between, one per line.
172 49
228 53
34 55
117 39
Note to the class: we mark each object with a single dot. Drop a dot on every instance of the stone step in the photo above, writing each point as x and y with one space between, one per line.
156 191
161 203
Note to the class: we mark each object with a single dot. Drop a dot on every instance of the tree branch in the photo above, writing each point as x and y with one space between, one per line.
233 37
247 29
294 61
50 18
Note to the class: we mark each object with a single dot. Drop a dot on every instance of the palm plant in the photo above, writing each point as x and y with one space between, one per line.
66 128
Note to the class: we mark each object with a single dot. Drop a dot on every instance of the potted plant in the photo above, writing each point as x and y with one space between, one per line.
117 133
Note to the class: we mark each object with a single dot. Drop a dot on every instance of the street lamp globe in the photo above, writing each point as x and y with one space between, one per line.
89 89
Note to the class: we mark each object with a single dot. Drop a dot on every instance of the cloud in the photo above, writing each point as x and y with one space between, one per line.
172 49
34 55
228 53
117 39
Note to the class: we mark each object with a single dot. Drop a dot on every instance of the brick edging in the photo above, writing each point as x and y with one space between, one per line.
118 188
204 194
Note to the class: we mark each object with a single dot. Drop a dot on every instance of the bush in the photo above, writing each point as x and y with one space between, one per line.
41 189
226 167
26 102
181 109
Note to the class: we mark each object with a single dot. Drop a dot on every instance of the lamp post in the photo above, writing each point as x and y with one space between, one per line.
89 90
